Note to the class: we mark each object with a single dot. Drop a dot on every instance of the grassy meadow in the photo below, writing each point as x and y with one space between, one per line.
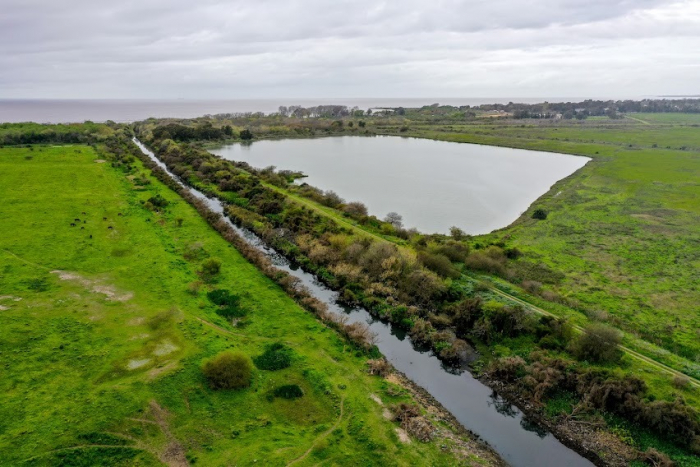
105 322
624 229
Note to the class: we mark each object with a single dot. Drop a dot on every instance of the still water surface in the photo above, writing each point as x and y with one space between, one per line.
432 184
520 442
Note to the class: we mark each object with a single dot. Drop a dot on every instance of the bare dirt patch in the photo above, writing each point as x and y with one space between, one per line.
376 399
164 348
10 297
137 363
3 308
100 161
403 436
95 286
139 337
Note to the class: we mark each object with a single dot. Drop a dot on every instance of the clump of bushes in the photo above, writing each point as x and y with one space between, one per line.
411 420
379 367
228 303
277 356
210 269
288 391
228 370
598 343
539 214
156 203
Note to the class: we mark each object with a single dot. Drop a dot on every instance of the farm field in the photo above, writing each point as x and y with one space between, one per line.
104 325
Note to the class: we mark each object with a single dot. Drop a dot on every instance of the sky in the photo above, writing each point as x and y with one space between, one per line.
211 49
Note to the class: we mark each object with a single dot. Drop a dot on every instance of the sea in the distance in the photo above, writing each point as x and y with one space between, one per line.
130 110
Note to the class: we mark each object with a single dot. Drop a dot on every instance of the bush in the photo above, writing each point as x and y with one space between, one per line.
355 209
439 264
539 214
598 343
379 367
487 263
680 382
156 202
210 268
277 356
228 370
288 391
228 303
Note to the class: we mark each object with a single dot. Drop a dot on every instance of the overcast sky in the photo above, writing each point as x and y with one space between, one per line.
358 48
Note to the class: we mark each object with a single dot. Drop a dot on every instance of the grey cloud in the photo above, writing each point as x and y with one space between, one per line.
212 48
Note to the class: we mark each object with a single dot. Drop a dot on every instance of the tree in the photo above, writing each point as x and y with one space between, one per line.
228 370
457 233
394 219
356 209
598 343
246 135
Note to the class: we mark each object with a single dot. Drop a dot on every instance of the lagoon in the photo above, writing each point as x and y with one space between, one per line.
433 184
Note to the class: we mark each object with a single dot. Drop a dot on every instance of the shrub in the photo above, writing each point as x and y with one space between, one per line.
228 370
355 209
539 214
439 264
228 303
486 263
655 458
379 367
157 202
507 369
680 382
404 412
420 428
277 356
458 352
455 251
210 268
246 135
288 391
598 343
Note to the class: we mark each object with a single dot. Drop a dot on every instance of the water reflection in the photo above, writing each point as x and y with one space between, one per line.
503 407
529 425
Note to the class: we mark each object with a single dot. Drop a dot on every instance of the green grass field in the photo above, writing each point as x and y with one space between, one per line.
101 342
624 229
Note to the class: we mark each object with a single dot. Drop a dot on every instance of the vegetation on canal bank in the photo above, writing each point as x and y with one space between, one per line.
106 321
320 233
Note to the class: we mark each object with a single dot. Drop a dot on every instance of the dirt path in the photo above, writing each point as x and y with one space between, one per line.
638 120
321 436
26 261
225 331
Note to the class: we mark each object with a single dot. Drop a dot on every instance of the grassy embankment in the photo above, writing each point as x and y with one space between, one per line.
101 362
